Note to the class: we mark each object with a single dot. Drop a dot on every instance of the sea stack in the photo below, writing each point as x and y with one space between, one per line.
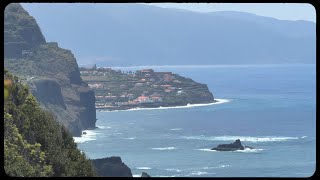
231 147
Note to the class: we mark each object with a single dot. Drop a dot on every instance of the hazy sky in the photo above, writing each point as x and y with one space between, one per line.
283 11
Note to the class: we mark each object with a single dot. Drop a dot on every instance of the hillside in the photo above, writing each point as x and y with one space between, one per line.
137 34
35 144
51 72
116 90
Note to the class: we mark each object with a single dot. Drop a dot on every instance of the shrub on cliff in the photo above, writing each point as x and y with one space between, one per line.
34 143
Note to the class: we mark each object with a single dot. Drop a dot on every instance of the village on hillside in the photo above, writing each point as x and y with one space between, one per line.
116 89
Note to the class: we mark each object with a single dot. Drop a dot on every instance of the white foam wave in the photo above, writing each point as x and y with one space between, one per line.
131 138
206 150
136 175
223 166
175 170
248 150
103 127
303 137
216 167
164 148
143 168
176 129
217 101
198 173
242 138
89 136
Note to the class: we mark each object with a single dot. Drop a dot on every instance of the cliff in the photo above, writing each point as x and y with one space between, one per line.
51 72
21 31
111 167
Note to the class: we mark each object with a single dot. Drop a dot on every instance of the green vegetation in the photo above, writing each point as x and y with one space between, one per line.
35 144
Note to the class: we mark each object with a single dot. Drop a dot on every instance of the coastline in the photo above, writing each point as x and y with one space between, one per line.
217 101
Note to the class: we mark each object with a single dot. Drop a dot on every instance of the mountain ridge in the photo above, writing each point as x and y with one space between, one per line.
137 34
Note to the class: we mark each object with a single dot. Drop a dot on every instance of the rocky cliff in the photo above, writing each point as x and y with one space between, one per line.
51 72
21 31
111 167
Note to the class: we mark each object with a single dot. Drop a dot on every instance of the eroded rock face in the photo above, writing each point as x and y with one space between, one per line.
111 167
47 91
231 147
56 81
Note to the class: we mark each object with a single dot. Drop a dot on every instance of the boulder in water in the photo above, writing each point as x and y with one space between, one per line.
231 147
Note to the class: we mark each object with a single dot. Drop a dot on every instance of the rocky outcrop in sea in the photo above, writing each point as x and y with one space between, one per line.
231 147
111 167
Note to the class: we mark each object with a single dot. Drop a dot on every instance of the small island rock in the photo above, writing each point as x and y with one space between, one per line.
231 147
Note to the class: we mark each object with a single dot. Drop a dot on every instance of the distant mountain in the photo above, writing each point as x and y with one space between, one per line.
51 72
137 34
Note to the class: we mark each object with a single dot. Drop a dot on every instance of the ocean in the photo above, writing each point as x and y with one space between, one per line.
269 107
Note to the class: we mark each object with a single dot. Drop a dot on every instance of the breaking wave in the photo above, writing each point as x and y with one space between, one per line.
198 173
131 138
206 150
143 168
174 170
248 150
164 148
176 129
89 136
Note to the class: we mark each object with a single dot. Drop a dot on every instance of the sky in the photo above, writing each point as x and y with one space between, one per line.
282 11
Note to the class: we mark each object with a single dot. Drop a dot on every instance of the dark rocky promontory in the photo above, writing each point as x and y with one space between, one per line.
231 147
111 167
144 174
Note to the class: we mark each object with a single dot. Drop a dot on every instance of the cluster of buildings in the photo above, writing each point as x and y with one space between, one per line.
146 99
162 82
139 100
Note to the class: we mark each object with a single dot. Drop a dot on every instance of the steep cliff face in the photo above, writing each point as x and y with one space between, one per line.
48 92
50 71
21 31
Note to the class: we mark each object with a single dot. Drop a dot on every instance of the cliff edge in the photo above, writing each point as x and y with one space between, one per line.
51 72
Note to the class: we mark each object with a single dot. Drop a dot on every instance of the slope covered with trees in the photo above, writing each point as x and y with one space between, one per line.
35 144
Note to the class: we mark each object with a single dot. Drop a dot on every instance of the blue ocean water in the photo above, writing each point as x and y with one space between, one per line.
271 107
